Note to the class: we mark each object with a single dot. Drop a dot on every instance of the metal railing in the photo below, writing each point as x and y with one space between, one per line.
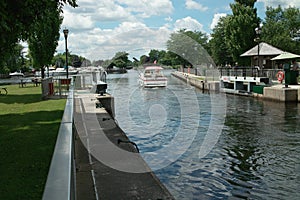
250 72
235 71
61 176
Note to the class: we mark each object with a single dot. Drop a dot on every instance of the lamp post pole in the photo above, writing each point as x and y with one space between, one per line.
66 32
258 32
257 39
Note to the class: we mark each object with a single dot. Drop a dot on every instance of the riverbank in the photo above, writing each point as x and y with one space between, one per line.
197 81
28 131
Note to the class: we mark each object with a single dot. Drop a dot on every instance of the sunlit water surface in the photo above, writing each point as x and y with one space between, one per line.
256 156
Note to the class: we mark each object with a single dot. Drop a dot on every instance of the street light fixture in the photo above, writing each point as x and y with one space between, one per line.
66 32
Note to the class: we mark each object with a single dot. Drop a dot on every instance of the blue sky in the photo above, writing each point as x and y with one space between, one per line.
100 28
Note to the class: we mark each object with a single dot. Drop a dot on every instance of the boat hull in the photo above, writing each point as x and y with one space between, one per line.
153 77
144 82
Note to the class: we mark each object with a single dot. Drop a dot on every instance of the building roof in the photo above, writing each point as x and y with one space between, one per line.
286 56
264 50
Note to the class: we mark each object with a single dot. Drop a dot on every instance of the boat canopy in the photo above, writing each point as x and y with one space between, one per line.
153 68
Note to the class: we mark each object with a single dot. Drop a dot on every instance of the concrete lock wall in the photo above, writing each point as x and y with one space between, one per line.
281 94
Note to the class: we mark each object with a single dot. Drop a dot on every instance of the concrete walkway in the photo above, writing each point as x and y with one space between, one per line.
106 169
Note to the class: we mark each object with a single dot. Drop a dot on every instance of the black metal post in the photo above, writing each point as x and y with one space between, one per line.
258 54
258 32
66 31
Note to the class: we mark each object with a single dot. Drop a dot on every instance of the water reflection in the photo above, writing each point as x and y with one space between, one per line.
259 141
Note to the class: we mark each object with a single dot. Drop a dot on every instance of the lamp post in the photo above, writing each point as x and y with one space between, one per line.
66 31
257 39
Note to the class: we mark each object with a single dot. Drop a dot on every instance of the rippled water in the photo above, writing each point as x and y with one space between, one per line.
253 146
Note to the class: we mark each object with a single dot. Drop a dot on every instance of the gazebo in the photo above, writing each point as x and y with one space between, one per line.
261 55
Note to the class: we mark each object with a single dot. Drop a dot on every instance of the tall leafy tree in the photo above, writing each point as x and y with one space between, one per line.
219 50
120 60
240 29
247 2
281 27
15 61
18 17
154 55
44 37
188 48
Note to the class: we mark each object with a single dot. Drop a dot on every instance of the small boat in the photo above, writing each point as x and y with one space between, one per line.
153 77
62 71
52 71
16 75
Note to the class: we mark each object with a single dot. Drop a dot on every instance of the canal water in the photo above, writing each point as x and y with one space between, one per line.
205 145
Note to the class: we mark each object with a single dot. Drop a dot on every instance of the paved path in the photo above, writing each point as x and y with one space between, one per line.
106 169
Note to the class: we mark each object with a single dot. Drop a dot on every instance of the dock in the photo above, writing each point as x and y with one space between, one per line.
257 87
108 165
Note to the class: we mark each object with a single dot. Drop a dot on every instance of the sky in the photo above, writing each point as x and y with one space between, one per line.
100 28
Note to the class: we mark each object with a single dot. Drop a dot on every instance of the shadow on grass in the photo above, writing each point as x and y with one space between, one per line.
24 98
26 147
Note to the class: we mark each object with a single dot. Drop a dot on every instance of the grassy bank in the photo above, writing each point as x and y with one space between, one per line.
28 131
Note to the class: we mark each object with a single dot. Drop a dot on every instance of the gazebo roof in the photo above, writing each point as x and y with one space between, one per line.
264 50
286 56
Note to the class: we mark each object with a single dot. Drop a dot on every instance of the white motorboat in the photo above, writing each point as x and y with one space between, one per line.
62 71
52 71
16 75
153 77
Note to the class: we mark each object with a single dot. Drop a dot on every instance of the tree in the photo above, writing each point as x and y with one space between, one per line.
240 29
18 18
15 62
249 3
280 28
120 60
187 48
158 56
220 52
154 55
43 40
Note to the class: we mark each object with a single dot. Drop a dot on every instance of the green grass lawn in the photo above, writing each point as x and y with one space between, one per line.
28 131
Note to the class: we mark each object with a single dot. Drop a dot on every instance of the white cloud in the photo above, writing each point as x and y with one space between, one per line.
77 21
112 12
168 19
135 39
283 3
147 8
191 4
188 23
216 19
127 30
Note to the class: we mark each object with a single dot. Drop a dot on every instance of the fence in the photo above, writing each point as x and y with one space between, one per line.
208 74
214 74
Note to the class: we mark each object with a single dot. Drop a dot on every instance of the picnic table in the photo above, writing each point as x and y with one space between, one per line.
24 81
